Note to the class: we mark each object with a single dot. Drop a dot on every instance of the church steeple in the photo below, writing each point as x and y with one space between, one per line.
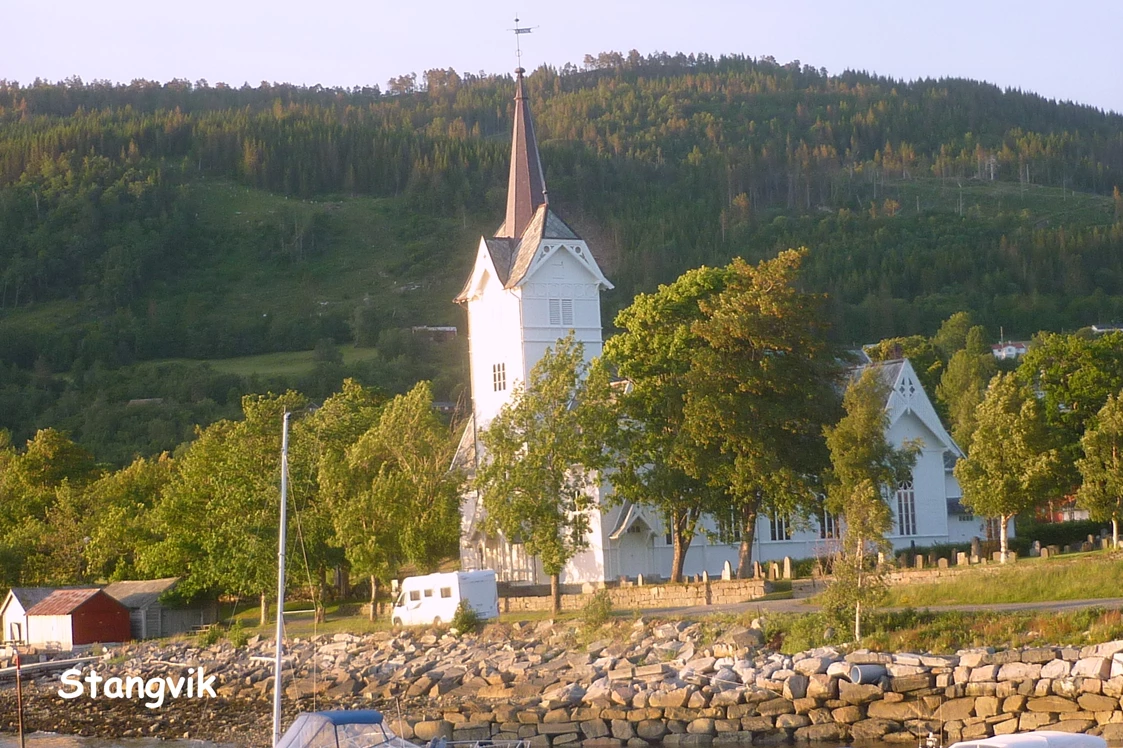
526 188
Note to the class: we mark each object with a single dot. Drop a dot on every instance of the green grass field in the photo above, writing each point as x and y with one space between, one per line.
287 364
1080 577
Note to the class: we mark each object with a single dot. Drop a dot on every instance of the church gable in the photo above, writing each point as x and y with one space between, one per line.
907 396
492 262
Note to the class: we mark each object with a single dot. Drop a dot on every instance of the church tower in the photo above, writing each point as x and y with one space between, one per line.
532 282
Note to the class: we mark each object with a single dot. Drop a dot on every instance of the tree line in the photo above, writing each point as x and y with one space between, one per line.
722 396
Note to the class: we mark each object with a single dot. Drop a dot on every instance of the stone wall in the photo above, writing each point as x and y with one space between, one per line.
809 697
652 596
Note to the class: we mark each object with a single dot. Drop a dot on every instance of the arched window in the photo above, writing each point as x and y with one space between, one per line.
906 509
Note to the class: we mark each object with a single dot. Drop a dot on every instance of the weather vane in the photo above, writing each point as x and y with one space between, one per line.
520 30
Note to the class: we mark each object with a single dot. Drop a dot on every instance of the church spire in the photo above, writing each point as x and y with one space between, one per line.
526 188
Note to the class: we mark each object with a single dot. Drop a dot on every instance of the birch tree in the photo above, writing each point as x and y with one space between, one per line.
1010 466
1101 467
865 469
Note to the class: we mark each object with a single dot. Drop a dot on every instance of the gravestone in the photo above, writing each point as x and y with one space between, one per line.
1035 549
961 559
705 577
976 549
1045 552
787 567
639 580
758 572
773 571
726 571
941 563
919 561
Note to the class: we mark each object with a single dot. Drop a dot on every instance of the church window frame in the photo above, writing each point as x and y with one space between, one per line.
729 528
906 508
779 529
499 377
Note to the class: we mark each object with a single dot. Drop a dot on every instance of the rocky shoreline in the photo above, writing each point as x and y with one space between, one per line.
677 683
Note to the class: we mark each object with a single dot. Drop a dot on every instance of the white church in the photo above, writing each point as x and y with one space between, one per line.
536 280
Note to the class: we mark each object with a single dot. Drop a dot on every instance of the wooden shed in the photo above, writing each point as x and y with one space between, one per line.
68 618
13 612
151 617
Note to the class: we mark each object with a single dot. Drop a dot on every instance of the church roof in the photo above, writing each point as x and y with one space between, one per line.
907 395
529 219
526 188
512 257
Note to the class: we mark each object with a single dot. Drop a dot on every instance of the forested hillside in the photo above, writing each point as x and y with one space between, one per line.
145 224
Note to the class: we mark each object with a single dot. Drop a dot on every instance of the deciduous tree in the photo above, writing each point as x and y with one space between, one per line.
759 391
963 383
539 466
1101 467
1010 465
654 354
865 469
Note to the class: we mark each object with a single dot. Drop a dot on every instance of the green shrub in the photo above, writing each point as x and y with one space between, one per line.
238 635
465 620
597 611
210 636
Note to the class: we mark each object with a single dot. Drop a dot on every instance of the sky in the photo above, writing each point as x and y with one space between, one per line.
1065 50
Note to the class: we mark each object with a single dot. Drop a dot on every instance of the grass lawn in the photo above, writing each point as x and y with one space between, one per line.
287 364
1076 577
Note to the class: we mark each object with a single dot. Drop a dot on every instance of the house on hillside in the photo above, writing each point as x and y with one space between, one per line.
1009 350
536 280
71 617
13 612
150 617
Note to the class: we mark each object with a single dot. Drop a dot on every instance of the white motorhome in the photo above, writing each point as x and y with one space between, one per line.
433 598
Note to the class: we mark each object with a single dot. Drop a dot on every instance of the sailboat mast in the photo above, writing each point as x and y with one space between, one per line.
279 648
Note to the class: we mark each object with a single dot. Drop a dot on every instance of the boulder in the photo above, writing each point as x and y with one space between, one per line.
651 729
795 687
1051 704
1092 667
622 729
871 729
1091 702
790 721
677 697
825 732
430 729
775 706
853 693
812 665
1056 669
898 711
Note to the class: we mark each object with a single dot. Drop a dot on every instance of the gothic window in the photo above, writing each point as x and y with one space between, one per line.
906 509
499 377
729 528
778 528
561 312
828 525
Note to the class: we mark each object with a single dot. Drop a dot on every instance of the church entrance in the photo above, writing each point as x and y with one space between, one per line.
637 551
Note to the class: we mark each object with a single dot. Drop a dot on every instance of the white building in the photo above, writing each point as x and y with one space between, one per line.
533 282
13 612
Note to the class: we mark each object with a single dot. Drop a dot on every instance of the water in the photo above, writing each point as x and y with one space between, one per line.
51 740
